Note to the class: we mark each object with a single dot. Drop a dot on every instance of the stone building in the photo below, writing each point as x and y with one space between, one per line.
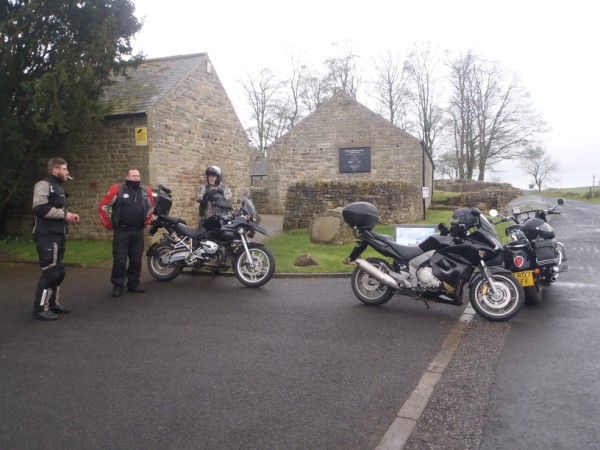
344 141
170 118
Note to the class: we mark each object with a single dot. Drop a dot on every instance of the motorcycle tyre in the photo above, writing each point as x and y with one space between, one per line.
534 294
248 280
515 305
154 265
361 277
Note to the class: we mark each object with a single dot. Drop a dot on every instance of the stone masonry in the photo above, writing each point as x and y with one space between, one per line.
397 201
190 124
310 152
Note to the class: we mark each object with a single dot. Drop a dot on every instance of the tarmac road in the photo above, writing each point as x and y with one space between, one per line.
203 362
207 363
531 383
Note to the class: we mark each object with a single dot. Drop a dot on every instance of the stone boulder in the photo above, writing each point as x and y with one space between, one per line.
329 228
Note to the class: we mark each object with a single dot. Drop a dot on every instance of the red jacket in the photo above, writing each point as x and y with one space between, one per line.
112 197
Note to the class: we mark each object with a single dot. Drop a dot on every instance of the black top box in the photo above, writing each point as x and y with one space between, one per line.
361 215
163 205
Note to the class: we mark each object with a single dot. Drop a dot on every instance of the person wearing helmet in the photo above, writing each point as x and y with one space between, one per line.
212 194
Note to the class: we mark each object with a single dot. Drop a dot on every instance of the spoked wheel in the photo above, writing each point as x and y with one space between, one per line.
369 290
504 304
158 266
257 272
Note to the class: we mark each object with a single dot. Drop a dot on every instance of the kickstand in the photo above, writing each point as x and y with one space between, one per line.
426 304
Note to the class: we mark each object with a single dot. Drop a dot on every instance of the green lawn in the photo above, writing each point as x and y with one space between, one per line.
83 252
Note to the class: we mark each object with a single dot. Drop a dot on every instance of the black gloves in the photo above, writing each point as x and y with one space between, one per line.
220 190
210 195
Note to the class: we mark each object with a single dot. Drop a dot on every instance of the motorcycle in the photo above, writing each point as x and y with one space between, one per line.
221 243
439 269
532 253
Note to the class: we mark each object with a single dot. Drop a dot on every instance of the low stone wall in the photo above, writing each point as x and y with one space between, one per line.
479 194
397 201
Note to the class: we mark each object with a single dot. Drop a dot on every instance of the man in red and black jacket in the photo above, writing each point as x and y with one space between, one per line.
131 206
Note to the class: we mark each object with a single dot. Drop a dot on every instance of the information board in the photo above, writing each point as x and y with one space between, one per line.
413 234
357 159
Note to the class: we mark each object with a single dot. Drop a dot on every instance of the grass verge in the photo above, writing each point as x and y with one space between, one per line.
82 252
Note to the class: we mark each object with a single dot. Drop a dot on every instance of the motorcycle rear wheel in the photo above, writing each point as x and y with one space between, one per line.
158 269
369 290
504 305
261 270
534 294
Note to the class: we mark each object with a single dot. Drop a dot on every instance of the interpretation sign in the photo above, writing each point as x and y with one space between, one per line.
413 234
357 159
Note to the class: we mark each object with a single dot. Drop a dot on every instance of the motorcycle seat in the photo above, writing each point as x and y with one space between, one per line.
406 251
191 232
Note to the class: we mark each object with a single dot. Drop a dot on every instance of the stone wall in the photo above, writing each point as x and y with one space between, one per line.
193 127
397 201
190 128
311 150
479 194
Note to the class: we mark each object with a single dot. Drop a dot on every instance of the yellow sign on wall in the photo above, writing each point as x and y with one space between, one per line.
141 136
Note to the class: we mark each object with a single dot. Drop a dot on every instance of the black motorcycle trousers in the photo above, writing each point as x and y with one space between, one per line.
127 244
51 250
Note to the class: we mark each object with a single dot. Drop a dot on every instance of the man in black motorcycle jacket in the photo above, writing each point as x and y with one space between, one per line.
130 206
209 194
51 227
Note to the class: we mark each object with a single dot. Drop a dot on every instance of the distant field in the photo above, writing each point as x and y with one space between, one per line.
577 193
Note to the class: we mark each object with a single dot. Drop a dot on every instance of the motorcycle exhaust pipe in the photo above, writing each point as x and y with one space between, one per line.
384 278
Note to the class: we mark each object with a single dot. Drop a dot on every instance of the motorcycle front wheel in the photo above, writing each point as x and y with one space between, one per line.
257 272
369 290
503 305
157 266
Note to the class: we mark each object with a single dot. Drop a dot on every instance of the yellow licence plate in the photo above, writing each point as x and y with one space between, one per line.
525 277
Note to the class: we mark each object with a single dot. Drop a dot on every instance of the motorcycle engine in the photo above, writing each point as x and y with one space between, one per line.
426 278
209 247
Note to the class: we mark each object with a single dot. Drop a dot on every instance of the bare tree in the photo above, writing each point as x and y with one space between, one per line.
491 113
390 89
425 94
461 117
342 73
295 84
267 111
314 92
537 163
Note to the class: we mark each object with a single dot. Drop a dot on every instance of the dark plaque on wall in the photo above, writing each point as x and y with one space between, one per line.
357 159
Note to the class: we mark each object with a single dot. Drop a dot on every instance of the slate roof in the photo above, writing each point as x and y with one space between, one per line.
137 92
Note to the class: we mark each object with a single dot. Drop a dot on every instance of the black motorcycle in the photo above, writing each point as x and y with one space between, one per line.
468 255
532 253
221 243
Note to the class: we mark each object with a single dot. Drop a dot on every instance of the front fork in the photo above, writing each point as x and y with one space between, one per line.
488 276
244 240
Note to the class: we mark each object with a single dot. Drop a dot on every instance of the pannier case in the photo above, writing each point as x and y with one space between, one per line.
545 252
361 215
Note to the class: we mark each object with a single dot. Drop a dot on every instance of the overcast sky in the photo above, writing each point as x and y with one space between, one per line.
554 46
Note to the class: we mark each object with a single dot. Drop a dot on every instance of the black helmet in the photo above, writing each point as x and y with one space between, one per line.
214 170
463 219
